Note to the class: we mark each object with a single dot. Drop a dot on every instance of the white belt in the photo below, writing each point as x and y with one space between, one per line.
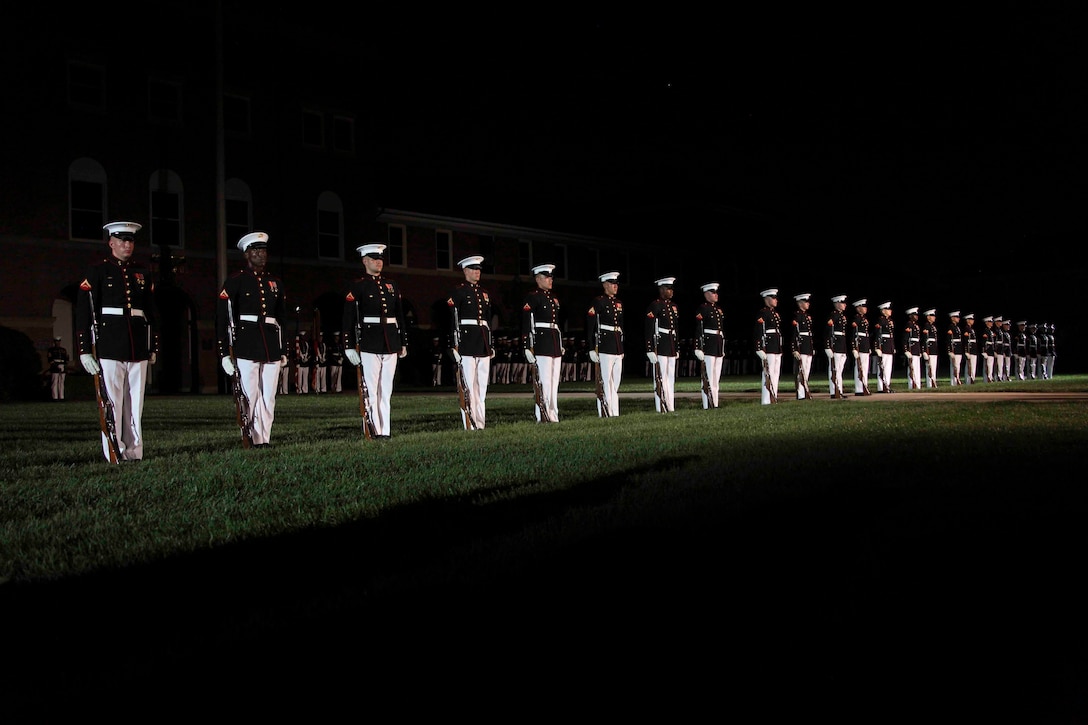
257 318
380 320
610 328
121 311
481 323
840 333
547 325
806 334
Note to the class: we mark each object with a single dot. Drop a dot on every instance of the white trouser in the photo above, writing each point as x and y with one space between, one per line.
285 376
337 373
320 382
999 367
550 368
667 365
302 379
1021 366
914 372
611 373
713 365
58 386
125 383
954 361
1050 365
477 375
770 372
378 372
861 372
1033 364
885 371
260 381
970 367
835 367
988 362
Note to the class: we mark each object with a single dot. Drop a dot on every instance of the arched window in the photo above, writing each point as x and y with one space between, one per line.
239 208
330 226
167 209
86 199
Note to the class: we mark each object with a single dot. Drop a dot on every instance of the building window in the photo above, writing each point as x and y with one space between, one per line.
313 129
343 134
443 249
330 226
236 119
561 262
163 101
487 250
394 252
525 256
239 210
86 86
86 199
167 209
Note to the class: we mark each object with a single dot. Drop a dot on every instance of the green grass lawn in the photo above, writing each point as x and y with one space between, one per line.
890 544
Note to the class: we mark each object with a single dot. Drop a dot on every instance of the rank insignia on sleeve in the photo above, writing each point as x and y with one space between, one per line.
592 312
649 315
526 308
760 320
350 297
85 286
450 302
699 316
223 295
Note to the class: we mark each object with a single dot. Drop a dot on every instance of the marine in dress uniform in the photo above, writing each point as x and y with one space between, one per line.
1051 351
930 347
710 342
303 362
541 339
120 294
1020 349
604 328
662 342
768 336
1006 340
986 342
861 346
1033 350
912 349
336 363
473 347
884 347
58 368
321 362
970 348
801 343
377 334
837 345
955 347
254 301
998 336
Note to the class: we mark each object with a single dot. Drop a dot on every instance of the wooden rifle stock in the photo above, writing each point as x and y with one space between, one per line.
659 381
364 395
459 375
861 378
534 374
835 375
106 421
802 380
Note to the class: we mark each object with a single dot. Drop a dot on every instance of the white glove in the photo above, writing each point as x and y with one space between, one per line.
925 356
283 361
455 355
492 353
879 352
699 354
652 357
761 355
796 355
830 353
89 364
530 357
352 356
594 356
403 352
228 366
856 355
909 356
152 358
562 351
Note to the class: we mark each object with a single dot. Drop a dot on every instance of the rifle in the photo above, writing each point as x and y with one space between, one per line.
955 369
861 378
767 371
880 365
659 382
910 370
802 380
706 379
364 395
604 412
241 400
534 370
319 357
459 374
106 422
835 375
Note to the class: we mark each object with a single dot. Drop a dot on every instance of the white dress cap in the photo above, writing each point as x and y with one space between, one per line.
467 261
862 303
545 269
954 313
710 287
609 277
987 319
665 281
912 310
772 292
885 305
370 249
931 311
969 316
256 240
118 228
839 298
803 297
